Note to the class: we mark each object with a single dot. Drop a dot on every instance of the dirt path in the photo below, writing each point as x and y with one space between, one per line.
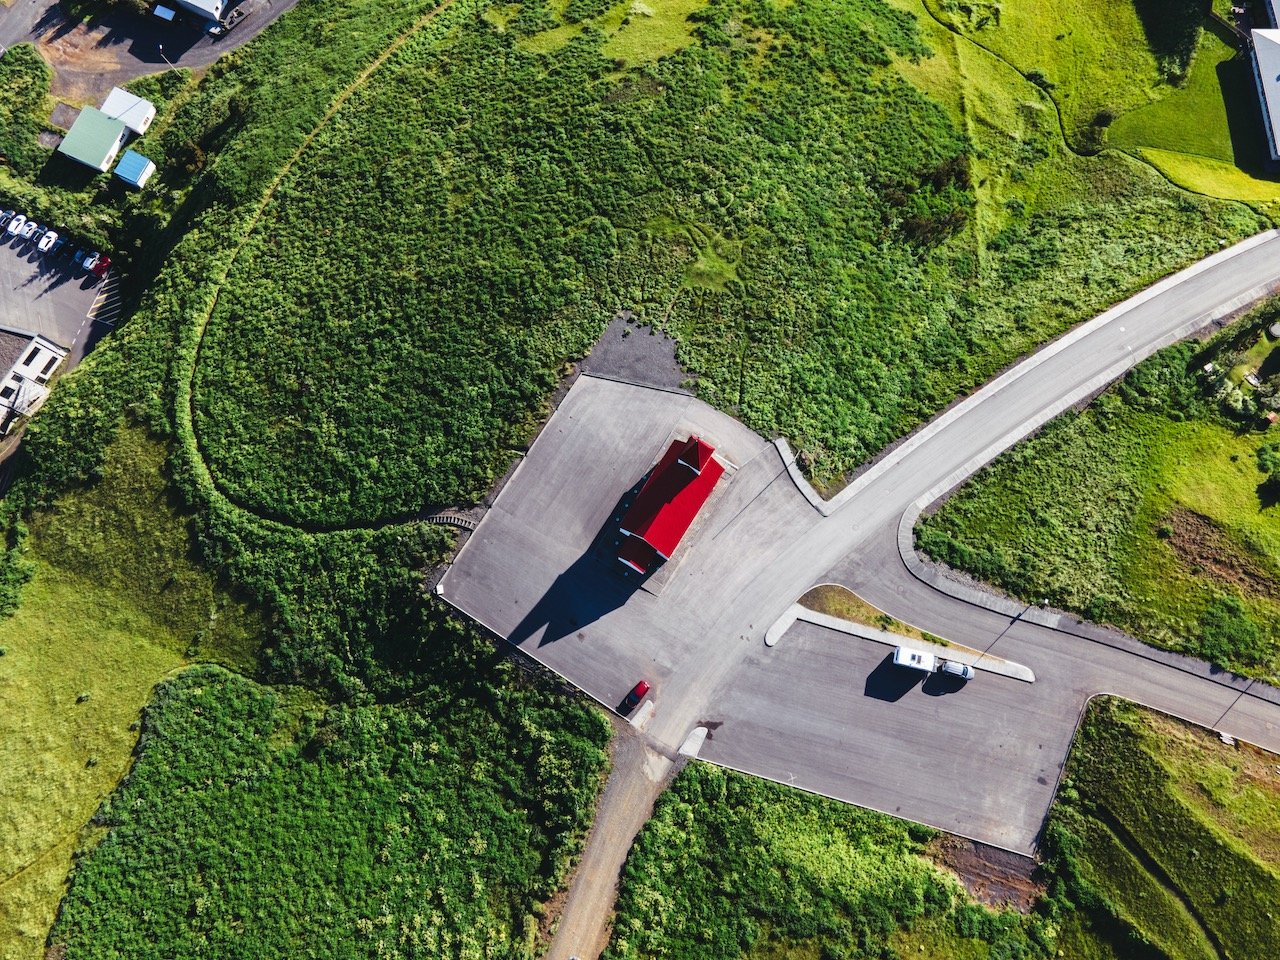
639 775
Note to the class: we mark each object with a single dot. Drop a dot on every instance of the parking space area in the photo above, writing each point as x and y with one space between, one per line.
830 713
46 295
540 571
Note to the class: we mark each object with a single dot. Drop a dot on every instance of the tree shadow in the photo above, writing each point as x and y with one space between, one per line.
1268 494
890 682
1172 29
1271 365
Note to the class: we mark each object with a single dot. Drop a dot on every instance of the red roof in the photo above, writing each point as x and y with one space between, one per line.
668 502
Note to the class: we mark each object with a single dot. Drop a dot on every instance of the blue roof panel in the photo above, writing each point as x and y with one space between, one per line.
133 168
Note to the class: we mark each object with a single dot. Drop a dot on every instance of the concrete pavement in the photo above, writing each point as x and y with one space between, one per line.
981 761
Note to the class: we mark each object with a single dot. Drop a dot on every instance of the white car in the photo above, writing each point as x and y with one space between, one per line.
961 670
30 229
47 241
16 224
91 261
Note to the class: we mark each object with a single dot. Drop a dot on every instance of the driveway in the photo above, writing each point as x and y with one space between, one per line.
808 711
91 57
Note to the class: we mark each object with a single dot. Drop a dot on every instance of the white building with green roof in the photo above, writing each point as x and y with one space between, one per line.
94 139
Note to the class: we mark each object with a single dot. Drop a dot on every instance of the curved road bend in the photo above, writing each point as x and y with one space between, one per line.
819 710
939 457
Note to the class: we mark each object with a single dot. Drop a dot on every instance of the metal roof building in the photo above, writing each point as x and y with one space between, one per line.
665 508
1264 54
94 139
130 109
135 169
212 9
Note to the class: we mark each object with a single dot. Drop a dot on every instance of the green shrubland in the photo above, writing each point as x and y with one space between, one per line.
255 824
731 866
440 249
24 106
1147 862
1148 510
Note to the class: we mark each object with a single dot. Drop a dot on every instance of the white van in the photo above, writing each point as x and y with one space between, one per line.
915 659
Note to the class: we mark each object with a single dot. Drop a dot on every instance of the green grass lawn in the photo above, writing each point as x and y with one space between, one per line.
1156 80
1159 863
731 866
115 605
1144 511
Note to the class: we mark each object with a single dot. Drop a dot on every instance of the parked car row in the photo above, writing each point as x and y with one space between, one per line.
48 242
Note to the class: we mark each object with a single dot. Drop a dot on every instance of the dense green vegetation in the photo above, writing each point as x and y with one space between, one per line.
774 193
398 222
1163 843
115 604
731 866
24 91
251 825
1148 510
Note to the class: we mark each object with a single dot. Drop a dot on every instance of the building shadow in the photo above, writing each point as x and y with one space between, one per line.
593 585
890 682
1244 115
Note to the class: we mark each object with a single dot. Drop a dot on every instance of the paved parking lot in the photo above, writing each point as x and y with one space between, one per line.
48 297
530 573
830 713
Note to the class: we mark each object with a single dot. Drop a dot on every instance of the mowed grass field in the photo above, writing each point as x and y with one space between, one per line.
115 605
1166 839
1146 510
1160 81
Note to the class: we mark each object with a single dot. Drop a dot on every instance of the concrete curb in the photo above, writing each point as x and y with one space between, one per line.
979 661
798 478
782 624
935 577
1072 336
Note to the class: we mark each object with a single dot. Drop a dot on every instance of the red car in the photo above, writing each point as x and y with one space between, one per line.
100 268
632 699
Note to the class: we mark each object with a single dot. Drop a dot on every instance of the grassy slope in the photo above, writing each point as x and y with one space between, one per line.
1090 514
1204 133
254 824
654 187
1094 53
731 866
1188 870
115 605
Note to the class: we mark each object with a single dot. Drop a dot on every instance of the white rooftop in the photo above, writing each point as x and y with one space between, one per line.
1266 48
210 8
131 110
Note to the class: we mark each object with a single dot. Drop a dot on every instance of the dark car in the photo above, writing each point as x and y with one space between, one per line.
632 699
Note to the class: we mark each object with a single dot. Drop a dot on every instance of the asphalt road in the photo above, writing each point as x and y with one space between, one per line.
109 50
819 710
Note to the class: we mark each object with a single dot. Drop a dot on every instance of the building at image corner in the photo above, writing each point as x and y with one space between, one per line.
210 9
29 362
666 506
1264 53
